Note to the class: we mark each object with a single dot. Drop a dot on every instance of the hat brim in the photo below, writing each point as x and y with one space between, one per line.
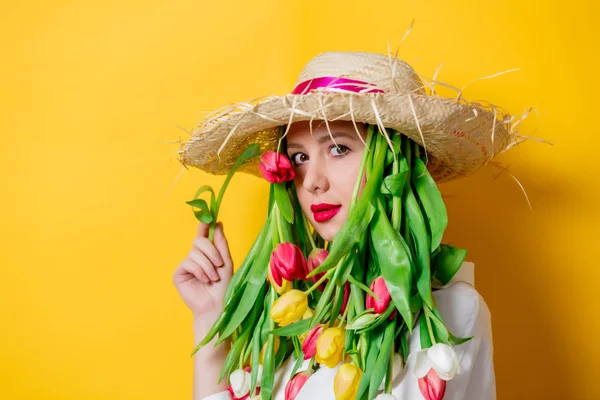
459 136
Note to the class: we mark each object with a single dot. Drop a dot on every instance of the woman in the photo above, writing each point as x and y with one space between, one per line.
438 342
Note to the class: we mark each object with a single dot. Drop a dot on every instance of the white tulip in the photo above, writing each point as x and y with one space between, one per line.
397 367
385 396
441 357
240 382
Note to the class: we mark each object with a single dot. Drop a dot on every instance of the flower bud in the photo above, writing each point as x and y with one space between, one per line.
309 346
432 387
295 384
276 167
287 262
330 346
289 308
346 297
316 258
285 286
379 287
362 322
444 360
239 383
346 381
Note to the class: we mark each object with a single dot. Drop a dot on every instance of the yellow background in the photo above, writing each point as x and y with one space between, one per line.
92 95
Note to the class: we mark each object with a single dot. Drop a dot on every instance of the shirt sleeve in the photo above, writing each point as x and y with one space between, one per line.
476 380
224 395
465 314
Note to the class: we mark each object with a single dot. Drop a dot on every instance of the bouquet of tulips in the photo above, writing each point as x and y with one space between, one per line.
354 301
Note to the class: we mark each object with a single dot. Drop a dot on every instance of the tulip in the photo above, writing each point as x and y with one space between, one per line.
316 258
432 387
239 383
276 167
346 297
287 262
346 381
264 349
309 346
441 357
289 308
379 287
330 346
295 384
385 396
285 286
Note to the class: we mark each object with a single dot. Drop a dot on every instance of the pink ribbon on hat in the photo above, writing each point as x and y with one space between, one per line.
336 82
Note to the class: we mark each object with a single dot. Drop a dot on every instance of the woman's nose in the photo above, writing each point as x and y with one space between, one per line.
315 178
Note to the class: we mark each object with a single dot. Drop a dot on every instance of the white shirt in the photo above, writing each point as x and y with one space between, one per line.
465 313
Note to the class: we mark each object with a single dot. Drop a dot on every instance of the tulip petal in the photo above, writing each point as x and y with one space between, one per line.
422 364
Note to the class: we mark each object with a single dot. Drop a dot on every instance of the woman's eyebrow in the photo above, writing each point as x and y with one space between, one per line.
325 138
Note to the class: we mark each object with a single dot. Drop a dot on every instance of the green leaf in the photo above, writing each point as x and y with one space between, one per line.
266 387
431 199
424 332
383 359
394 262
416 223
256 281
249 152
372 352
295 329
454 341
448 262
393 185
283 202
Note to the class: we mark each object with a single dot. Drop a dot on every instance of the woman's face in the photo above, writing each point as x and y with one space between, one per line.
326 173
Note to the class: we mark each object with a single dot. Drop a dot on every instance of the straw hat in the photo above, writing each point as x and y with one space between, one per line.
458 136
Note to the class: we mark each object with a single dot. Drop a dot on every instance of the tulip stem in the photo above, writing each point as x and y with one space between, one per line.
311 364
323 278
427 319
361 170
312 241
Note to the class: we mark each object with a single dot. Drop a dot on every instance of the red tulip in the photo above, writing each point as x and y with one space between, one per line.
287 262
276 167
346 296
309 346
380 289
295 384
432 387
316 258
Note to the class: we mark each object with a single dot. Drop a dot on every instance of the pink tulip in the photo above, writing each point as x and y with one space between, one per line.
309 346
295 384
276 167
432 387
380 289
316 258
287 262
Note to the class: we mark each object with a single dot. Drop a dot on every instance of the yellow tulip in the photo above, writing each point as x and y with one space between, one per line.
285 287
346 381
290 307
264 349
330 346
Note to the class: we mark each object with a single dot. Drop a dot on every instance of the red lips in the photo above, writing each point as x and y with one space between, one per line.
324 211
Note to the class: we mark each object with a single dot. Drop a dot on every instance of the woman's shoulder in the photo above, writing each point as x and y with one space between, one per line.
462 307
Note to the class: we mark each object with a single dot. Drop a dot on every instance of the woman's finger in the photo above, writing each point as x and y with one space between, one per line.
189 268
207 266
202 230
222 245
209 250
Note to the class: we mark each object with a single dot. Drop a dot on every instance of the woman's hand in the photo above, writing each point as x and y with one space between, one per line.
202 278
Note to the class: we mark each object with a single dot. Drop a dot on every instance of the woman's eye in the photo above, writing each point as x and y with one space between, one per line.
340 150
298 158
